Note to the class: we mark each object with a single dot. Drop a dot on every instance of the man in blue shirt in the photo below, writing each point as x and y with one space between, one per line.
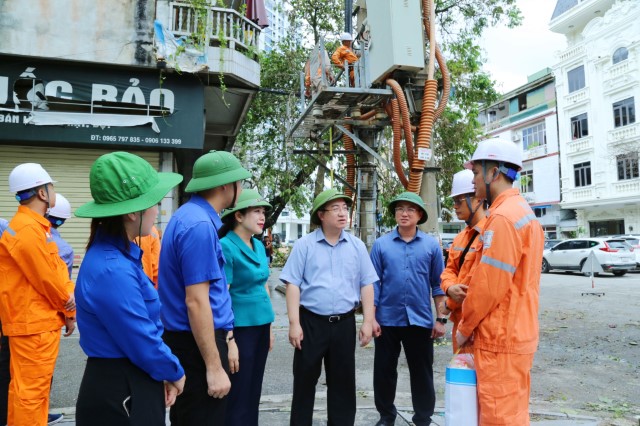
409 264
196 306
327 274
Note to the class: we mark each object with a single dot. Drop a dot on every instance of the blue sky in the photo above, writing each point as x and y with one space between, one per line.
513 54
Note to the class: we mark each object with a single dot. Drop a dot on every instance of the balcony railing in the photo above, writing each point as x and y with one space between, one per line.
577 97
627 187
224 27
624 133
536 151
571 52
578 146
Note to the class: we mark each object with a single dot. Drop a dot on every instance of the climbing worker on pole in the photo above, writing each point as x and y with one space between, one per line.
409 264
327 274
36 295
464 248
345 53
500 312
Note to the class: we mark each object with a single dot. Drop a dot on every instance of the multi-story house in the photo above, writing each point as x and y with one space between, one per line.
277 13
598 87
167 80
527 117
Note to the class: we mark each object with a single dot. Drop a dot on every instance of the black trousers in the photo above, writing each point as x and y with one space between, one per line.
335 343
116 392
194 407
418 348
246 385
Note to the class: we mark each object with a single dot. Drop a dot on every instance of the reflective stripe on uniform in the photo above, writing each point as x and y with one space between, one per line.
471 249
522 222
498 264
11 231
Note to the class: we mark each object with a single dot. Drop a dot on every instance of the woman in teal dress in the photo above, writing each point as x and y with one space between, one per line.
247 270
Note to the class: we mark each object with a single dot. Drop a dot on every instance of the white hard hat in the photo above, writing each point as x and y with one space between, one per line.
462 183
26 176
499 150
62 209
346 37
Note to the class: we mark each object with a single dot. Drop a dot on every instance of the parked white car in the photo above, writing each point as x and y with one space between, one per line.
634 241
615 255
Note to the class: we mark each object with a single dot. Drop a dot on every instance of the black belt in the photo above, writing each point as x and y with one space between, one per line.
330 318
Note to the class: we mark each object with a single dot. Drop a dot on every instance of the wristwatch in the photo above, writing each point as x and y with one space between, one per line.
441 320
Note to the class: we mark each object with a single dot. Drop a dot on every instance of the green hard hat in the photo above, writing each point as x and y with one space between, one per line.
323 198
412 198
122 183
248 198
216 168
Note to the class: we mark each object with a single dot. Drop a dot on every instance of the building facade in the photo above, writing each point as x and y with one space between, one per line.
81 79
527 117
598 87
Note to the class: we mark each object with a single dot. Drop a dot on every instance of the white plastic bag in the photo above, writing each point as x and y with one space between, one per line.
460 392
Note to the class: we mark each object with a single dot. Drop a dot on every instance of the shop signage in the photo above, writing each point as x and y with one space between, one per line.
44 101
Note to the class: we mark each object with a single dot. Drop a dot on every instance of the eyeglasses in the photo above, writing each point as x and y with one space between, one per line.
338 209
457 201
408 210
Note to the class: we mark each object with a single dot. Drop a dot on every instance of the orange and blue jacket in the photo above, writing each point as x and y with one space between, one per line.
34 281
456 274
501 307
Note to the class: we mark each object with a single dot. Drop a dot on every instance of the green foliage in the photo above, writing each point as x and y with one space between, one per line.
285 178
280 257
317 17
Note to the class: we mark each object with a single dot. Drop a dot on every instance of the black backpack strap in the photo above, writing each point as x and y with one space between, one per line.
466 249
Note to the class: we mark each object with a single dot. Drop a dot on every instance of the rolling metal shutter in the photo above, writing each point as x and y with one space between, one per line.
70 168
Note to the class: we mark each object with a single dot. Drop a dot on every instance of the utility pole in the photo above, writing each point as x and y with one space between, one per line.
348 23
367 190
429 194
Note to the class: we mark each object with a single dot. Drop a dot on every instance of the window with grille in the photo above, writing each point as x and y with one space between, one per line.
526 181
576 79
582 174
534 136
624 112
620 55
579 126
627 166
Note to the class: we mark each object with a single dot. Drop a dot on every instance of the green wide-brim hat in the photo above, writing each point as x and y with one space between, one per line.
248 198
124 183
323 198
412 198
216 168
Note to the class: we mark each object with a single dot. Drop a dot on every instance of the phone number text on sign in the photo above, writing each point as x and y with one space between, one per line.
135 139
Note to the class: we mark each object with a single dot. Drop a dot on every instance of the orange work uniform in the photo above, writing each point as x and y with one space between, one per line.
34 287
456 274
150 245
344 53
501 309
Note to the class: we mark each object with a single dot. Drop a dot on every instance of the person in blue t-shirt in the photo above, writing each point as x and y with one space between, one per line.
196 306
409 264
131 375
247 271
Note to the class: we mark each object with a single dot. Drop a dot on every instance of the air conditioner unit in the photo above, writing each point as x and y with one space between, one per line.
515 137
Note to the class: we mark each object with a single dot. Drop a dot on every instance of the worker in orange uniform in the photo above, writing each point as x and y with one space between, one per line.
313 79
500 312
456 275
36 296
344 53
150 246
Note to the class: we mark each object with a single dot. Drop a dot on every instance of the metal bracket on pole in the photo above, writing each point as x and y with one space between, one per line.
321 164
365 147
